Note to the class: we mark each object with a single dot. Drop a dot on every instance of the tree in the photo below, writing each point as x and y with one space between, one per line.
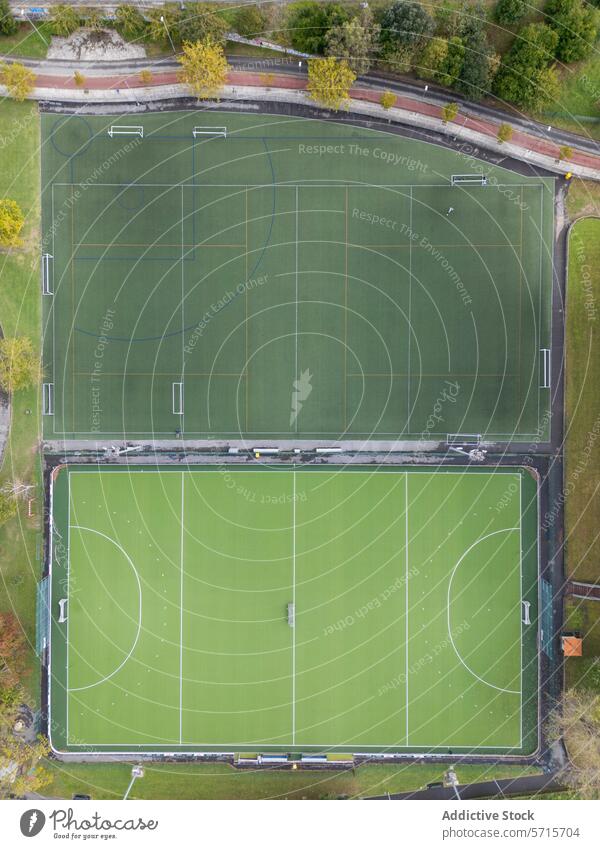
163 21
204 67
8 509
200 21
525 77
451 68
8 22
565 153
20 769
405 23
309 22
19 365
13 644
11 223
18 79
576 719
510 11
387 99
448 17
79 78
250 21
130 22
432 58
329 81
577 26
449 112
65 20
354 41
505 133
475 73
146 76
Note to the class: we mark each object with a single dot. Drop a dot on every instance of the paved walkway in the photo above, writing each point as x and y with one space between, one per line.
579 589
528 786
127 87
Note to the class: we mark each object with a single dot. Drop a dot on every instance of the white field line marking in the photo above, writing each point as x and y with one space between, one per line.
462 557
139 626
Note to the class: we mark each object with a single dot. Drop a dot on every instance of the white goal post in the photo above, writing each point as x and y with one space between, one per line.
468 179
46 274
125 130
62 610
178 399
47 399
210 131
525 608
545 368
291 614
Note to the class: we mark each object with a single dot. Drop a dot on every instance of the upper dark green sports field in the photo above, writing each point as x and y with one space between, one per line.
296 278
415 609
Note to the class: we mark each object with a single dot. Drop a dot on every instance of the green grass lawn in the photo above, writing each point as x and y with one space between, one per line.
27 42
221 781
20 542
583 199
583 616
582 457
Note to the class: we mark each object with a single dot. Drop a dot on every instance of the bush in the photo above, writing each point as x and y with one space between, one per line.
387 99
449 112
65 20
576 25
8 22
19 366
308 24
505 133
250 21
130 22
510 11
405 24
11 221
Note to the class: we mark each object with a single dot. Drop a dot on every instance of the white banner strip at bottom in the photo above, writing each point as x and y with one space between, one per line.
351 823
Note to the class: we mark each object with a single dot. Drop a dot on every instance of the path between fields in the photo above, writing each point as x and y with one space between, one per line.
127 88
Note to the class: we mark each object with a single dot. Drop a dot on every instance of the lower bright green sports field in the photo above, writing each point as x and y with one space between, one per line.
294 609
288 278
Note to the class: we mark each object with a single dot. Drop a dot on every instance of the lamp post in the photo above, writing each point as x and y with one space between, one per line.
162 18
29 21
136 772
450 777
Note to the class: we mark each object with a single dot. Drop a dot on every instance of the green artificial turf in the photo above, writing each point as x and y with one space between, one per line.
297 279
407 587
